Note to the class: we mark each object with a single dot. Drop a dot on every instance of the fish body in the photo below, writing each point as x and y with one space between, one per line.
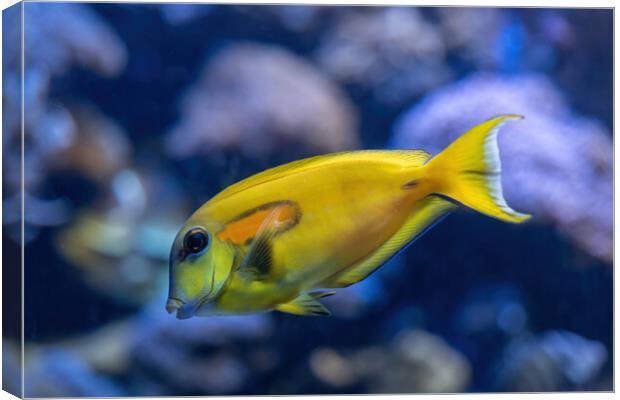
274 239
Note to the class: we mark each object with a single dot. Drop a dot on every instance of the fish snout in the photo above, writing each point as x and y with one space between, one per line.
183 310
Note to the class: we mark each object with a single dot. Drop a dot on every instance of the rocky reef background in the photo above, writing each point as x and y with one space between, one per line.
137 114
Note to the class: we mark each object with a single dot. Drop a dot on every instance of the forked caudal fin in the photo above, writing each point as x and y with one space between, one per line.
469 171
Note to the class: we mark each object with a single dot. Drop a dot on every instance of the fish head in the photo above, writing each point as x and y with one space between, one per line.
200 266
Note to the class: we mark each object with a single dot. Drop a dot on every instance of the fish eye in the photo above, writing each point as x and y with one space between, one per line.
196 240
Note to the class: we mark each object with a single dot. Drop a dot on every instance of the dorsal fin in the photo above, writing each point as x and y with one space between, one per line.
408 157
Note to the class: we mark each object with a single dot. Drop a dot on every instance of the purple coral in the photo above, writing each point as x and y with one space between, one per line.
55 38
557 165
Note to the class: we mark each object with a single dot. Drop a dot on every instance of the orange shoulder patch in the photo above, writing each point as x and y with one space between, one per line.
280 216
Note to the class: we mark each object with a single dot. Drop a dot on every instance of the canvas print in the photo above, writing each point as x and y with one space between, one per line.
220 199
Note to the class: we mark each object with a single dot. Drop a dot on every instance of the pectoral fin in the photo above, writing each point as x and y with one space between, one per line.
258 262
306 304
422 218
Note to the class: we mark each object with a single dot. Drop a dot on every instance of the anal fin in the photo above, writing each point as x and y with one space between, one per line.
306 304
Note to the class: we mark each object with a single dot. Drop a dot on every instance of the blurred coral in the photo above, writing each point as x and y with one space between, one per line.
557 165
177 14
100 148
332 368
416 361
59 372
213 355
56 37
106 250
394 52
259 99
216 355
122 250
298 18
551 361
72 34
11 365
472 32
425 363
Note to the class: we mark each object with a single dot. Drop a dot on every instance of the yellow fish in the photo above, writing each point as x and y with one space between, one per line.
271 241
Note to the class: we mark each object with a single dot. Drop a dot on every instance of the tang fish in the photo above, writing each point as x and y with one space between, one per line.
277 240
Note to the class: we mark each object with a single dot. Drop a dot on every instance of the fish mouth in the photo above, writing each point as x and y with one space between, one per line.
187 310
